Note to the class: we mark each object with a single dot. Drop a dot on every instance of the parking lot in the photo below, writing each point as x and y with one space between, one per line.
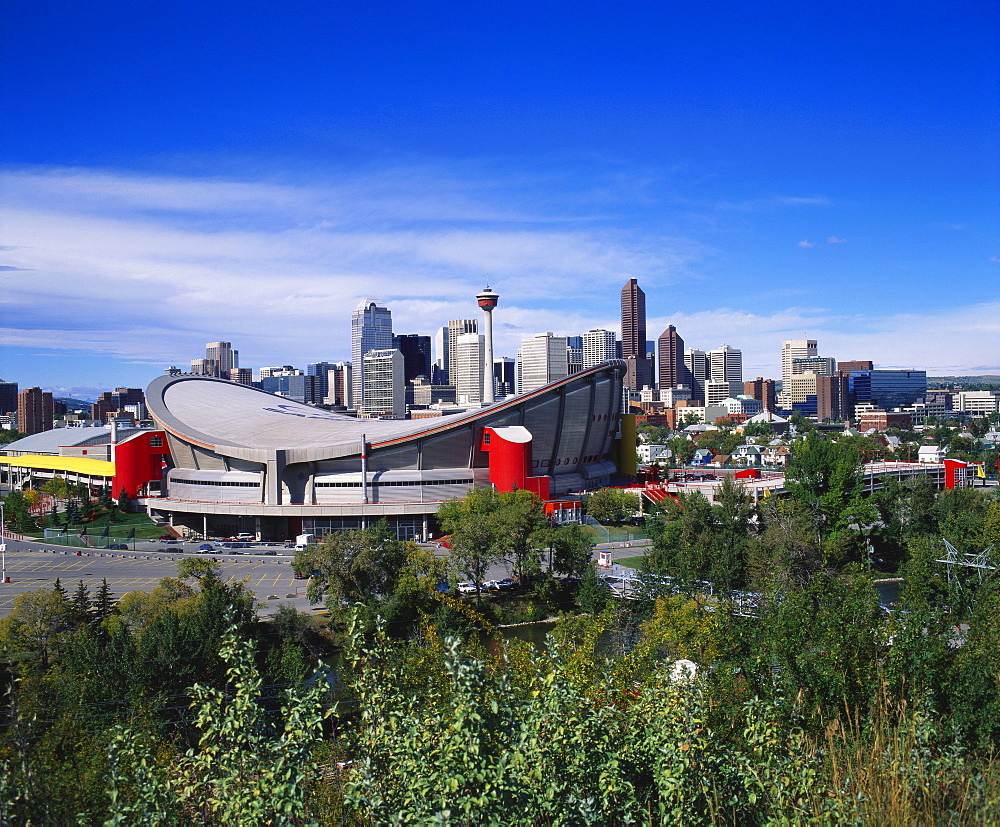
32 566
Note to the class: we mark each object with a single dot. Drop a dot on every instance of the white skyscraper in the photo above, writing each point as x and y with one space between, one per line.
795 349
541 359
468 367
371 329
385 390
598 346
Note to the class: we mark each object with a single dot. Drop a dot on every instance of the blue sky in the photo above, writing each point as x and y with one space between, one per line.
178 173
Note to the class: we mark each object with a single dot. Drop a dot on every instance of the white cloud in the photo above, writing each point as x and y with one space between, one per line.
807 243
834 240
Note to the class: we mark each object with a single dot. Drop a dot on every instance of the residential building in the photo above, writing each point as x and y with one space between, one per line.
763 390
384 395
670 358
599 346
371 329
633 317
541 359
34 411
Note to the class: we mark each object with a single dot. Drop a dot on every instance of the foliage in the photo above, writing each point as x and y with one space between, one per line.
612 505
17 511
571 548
244 769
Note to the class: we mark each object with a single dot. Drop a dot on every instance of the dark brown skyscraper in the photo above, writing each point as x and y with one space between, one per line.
670 357
640 372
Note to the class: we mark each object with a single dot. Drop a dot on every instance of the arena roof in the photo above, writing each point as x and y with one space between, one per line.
216 413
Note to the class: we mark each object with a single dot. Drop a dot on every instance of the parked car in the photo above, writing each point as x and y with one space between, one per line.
118 547
165 537
206 547
270 552
466 587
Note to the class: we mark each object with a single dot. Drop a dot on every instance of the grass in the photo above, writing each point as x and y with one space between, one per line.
631 562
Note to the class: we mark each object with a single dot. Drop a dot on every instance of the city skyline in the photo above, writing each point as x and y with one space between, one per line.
766 173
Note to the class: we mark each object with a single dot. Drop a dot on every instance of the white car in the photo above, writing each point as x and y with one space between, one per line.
466 587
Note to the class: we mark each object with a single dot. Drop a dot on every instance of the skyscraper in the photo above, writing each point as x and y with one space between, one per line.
321 387
468 368
598 346
696 373
640 372
224 358
34 411
456 328
541 359
8 397
416 352
795 349
371 329
385 391
670 353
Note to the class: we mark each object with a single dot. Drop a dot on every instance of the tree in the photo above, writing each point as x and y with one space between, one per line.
612 505
38 620
104 602
124 501
573 548
354 566
198 568
477 540
81 602
17 511
593 594
247 768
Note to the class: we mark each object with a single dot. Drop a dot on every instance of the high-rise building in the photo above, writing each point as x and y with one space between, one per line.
110 403
223 358
241 376
833 397
887 389
670 356
416 352
598 346
820 365
541 359
696 373
8 397
640 373
299 387
371 329
321 371
504 373
468 368
439 370
763 390
385 391
34 411
340 385
795 349
726 364
456 328
574 359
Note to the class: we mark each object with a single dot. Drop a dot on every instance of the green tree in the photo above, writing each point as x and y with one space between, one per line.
124 501
104 601
81 603
594 594
247 768
572 549
612 505
37 623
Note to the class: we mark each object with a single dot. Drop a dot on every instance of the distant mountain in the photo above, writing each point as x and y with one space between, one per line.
73 404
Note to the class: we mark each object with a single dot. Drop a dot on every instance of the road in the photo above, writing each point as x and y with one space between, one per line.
32 566
36 565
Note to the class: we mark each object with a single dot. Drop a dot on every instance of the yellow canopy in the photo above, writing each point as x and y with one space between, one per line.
74 465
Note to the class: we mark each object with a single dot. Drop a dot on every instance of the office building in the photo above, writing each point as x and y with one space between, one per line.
242 376
820 365
34 411
541 359
861 364
416 352
340 386
887 389
833 400
598 346
439 367
456 328
279 370
222 358
320 370
298 387
8 397
504 377
385 391
633 317
574 358
467 366
763 390
670 358
696 373
795 349
371 329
